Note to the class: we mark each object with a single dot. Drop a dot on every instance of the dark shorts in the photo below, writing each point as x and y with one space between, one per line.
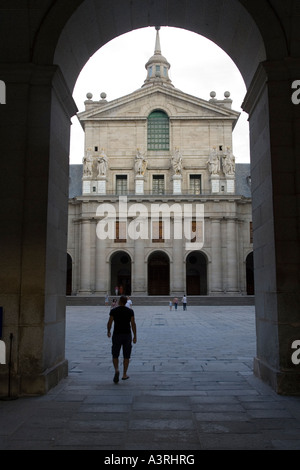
124 341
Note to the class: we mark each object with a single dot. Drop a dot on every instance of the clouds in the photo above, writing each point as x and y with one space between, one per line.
198 67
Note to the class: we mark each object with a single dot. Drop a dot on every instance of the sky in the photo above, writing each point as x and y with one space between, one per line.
198 66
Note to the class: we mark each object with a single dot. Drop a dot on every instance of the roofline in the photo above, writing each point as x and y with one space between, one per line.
157 89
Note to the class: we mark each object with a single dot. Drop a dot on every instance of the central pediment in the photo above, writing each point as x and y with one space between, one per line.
139 104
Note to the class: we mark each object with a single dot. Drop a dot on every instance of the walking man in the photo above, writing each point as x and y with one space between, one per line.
124 326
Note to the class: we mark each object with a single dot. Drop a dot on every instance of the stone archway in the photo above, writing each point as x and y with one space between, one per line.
40 69
120 273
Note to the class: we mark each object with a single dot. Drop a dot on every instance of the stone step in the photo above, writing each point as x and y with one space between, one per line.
164 300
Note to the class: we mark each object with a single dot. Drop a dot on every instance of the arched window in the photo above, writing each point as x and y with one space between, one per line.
158 131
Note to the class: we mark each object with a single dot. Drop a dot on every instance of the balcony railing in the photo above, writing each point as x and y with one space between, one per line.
150 193
161 194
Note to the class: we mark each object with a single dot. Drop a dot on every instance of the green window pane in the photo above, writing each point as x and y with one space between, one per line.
158 131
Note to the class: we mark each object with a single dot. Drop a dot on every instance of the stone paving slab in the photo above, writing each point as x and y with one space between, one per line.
191 387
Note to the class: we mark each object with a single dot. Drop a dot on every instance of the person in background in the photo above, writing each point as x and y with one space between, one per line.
129 302
184 302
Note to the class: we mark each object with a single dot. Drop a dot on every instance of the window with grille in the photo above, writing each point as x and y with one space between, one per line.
197 231
158 232
195 184
121 232
158 184
158 131
121 184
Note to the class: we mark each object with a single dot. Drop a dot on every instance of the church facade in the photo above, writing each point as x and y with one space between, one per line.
159 205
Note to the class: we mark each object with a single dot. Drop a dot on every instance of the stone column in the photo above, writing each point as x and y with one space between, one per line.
85 257
178 273
216 263
35 170
275 169
102 281
138 272
231 257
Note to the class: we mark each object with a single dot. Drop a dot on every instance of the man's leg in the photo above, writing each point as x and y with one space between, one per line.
127 347
116 366
125 368
116 363
115 353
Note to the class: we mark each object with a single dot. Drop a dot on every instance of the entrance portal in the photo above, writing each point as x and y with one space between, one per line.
196 274
158 274
120 273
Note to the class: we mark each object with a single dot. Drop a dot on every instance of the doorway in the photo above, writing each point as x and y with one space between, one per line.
158 274
120 273
196 274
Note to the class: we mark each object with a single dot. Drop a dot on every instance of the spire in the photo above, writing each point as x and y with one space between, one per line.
157 66
157 44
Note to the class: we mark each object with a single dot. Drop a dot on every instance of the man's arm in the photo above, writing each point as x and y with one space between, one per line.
133 327
109 325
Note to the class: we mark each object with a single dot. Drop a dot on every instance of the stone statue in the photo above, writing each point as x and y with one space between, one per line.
214 162
88 165
228 163
140 163
102 161
177 162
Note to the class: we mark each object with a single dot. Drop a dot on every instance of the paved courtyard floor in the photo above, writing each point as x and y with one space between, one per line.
191 387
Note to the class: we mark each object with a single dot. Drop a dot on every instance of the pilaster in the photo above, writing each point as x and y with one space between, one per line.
101 272
275 170
178 273
35 169
231 254
216 263
85 258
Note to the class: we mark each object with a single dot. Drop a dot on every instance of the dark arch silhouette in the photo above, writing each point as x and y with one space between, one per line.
45 57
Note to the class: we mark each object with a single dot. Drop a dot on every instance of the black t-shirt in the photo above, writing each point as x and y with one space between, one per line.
122 317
